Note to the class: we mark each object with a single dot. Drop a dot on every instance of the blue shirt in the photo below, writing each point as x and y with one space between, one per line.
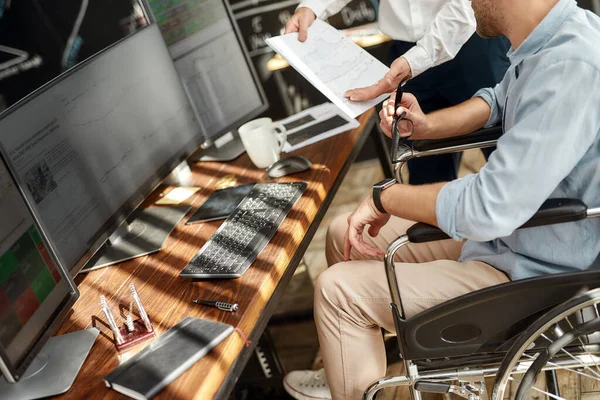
549 103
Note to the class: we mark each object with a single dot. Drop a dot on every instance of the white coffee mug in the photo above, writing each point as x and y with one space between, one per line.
262 140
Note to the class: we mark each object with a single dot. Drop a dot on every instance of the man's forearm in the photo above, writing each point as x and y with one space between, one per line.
459 120
415 203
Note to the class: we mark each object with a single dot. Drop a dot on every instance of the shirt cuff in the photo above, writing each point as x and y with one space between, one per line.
488 95
418 60
446 205
317 6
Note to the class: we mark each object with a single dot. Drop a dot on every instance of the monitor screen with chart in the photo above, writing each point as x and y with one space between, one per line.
91 145
35 293
212 62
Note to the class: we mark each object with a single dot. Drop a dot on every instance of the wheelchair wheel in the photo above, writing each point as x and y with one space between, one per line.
565 340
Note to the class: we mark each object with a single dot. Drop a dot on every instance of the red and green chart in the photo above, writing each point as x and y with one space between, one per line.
27 276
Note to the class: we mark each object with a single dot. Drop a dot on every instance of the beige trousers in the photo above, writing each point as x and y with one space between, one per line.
352 299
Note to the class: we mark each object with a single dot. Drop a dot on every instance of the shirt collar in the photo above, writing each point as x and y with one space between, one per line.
543 32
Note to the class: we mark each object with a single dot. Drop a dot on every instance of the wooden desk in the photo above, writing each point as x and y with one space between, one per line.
168 298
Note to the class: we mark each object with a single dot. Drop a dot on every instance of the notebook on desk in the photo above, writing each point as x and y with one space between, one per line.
166 358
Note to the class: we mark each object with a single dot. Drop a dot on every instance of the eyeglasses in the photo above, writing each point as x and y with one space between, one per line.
399 145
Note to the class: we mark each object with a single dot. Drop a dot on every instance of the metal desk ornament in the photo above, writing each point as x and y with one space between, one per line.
132 332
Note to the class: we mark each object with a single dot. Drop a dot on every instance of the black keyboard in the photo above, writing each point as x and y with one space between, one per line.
245 233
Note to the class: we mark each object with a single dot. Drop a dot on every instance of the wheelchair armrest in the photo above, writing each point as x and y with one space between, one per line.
553 211
482 136
422 233
556 211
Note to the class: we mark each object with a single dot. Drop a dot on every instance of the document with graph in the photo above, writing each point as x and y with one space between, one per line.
333 64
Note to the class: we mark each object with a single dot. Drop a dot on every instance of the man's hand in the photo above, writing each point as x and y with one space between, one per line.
410 105
365 214
399 71
300 21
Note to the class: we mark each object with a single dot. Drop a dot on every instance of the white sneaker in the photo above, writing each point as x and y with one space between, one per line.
307 385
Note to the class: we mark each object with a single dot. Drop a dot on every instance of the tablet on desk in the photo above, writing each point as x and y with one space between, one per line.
220 204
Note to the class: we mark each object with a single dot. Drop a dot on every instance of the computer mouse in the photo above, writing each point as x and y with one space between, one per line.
287 166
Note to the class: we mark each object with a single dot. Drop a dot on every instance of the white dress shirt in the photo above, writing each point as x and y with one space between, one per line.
439 27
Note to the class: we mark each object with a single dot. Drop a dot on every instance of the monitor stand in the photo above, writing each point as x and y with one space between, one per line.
147 232
54 369
141 236
227 148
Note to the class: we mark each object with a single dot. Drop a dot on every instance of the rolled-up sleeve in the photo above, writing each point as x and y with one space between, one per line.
495 98
445 206
453 25
556 122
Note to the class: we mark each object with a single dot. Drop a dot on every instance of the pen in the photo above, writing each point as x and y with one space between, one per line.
396 139
395 134
397 103
218 304
399 95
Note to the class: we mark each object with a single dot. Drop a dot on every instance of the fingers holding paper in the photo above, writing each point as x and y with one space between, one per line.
399 71
332 52
300 22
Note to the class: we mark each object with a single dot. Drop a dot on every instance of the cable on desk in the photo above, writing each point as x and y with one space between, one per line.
244 337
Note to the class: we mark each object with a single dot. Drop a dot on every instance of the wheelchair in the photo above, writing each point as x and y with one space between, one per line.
513 332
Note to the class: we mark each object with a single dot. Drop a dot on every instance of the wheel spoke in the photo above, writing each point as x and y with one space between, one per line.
572 356
565 368
556 327
539 390
572 327
597 316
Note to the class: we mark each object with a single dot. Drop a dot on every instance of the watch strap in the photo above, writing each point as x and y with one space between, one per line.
377 200
377 189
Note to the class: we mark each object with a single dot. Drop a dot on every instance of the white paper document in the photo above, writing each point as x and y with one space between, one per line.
333 64
315 124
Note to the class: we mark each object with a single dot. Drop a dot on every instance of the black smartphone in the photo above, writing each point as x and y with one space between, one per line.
220 204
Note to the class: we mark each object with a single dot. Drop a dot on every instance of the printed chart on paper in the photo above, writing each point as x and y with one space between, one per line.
333 64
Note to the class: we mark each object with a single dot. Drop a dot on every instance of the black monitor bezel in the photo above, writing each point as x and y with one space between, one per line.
11 372
209 141
128 208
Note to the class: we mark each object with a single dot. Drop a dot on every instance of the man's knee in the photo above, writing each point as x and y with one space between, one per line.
355 291
328 288
334 250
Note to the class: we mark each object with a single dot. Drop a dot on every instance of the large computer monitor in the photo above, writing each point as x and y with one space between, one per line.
39 40
217 74
92 144
35 295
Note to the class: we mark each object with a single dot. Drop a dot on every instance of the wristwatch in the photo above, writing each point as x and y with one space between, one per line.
377 189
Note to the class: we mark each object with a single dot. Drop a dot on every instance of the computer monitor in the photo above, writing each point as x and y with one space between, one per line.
36 293
39 40
217 74
92 144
